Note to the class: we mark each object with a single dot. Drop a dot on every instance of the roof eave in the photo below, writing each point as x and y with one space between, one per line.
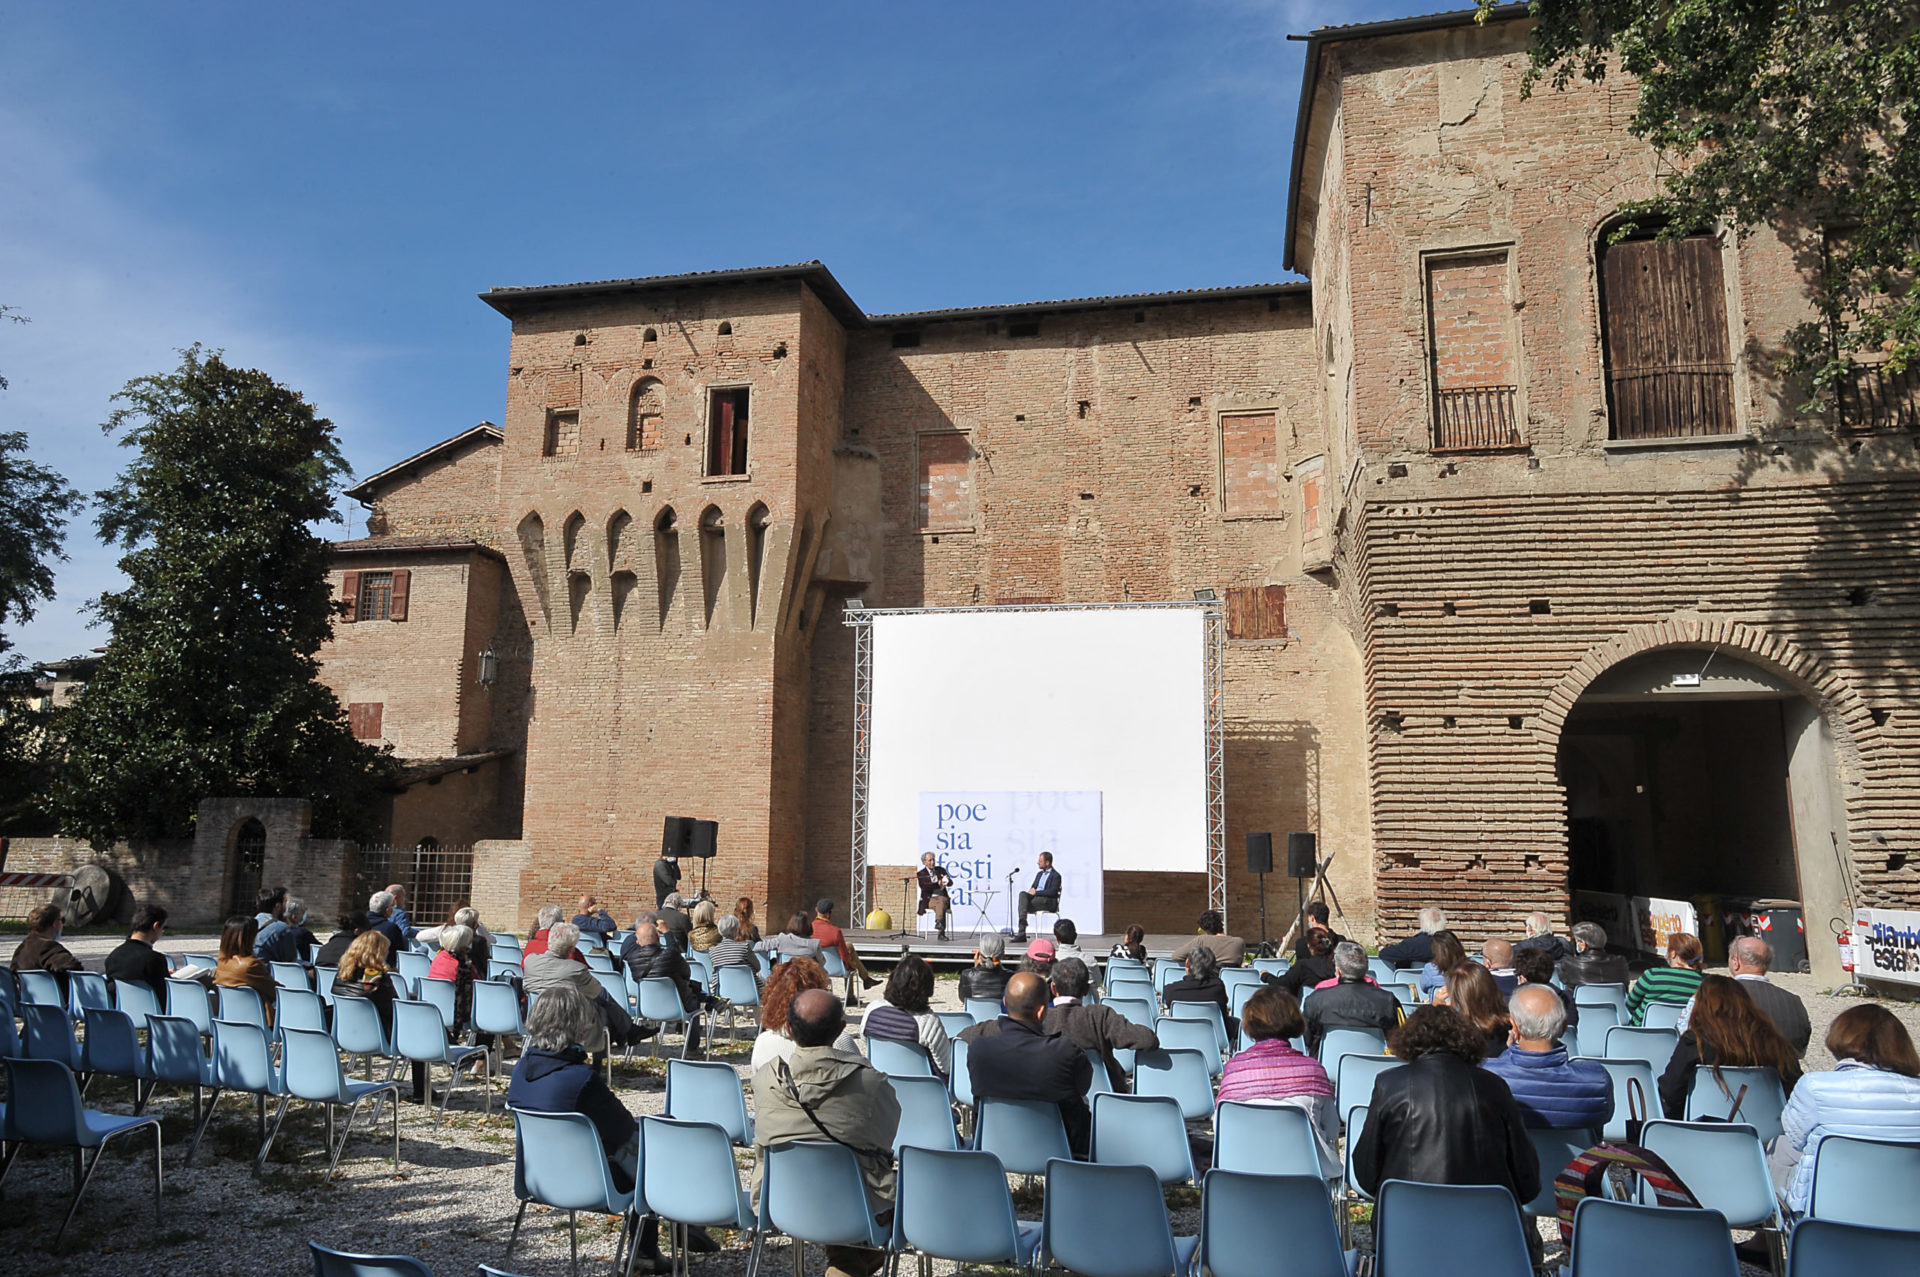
1122 301
514 301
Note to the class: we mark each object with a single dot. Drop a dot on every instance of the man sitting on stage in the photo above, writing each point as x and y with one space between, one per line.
1043 896
934 880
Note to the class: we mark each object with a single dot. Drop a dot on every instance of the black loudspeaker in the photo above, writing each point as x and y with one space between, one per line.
706 837
677 839
1259 853
1303 854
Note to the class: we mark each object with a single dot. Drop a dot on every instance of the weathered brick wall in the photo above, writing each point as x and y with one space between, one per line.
452 495
1472 316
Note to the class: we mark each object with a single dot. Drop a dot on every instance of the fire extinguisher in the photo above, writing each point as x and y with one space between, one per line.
1845 940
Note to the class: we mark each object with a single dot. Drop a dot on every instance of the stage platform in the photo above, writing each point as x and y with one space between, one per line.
950 954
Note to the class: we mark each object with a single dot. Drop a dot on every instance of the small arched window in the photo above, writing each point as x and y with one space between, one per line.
726 328
649 335
645 415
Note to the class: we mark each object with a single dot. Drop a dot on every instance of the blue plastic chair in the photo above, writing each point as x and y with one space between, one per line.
1109 1221
738 988
955 1022
1723 1163
1415 1222
1590 1036
290 975
1382 971
1655 1046
1827 1248
688 1179
1191 1035
559 1162
175 1054
240 1006
1266 1139
438 994
1181 1074
496 1010
1613 995
1208 1011
211 961
599 961
1165 972
1761 1107
1137 1010
1619 1239
1662 1015
658 999
618 984
419 1034
242 1061
899 1059
338 1263
87 991
1242 1214
1341 1042
1620 1073
499 968
313 1073
960 1081
1869 1183
1234 977
357 1031
954 1205
323 978
1024 1134
1353 1081
49 1036
1555 1149
298 1009
137 999
1273 966
1131 990
708 1091
41 989
813 1192
1142 1130
412 967
926 1113
43 1107
983 1010
113 1048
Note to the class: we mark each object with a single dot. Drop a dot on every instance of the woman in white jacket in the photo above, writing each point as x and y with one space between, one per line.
1874 1094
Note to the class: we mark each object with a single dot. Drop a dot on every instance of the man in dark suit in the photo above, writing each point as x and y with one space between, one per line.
1044 895
1749 958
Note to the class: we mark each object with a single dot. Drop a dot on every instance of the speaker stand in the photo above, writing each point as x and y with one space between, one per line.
1263 911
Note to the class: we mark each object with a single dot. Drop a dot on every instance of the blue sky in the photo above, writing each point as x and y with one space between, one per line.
322 189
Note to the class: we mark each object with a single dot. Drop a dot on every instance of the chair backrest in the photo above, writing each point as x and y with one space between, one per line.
1620 1072
1265 1139
412 966
1137 1010
43 1101
659 1000
174 1052
1630 1042
1353 1080
961 1078
241 1006
289 975
1761 1107
955 1022
1132 986
418 1031
1106 1221
1619 1239
323 978
356 1027
499 968
438 994
1356 1124
896 1058
1208 1011
1381 970
926 1113
87 989
310 1065
1590 1035
1191 1035
1339 1042
338 1263
598 960
1166 971
953 1204
735 983
41 988
1585 995
983 1010
137 999
299 1009
1143 1130
813 1191
1828 1248
1872 1183
1662 1015
49 1035
1242 1213
1555 1149
1415 1222
242 1059
113 1045
559 1162
496 1008
835 965
687 1171
1277 966
1181 1074
708 1091
1723 1163
1024 1134
1234 977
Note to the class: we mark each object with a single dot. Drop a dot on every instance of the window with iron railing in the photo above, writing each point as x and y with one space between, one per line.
1474 352
1875 397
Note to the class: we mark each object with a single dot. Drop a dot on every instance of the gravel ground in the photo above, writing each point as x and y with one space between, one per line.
451 1204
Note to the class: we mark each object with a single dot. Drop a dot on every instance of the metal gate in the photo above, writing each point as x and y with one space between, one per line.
438 879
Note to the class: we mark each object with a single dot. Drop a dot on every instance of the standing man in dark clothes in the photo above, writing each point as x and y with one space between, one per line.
1014 1058
136 959
666 878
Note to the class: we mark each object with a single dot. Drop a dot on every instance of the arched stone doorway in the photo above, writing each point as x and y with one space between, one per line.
1691 771
248 859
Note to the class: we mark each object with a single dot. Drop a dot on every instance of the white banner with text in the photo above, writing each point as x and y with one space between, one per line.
993 838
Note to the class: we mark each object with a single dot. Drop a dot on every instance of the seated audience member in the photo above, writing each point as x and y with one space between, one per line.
1352 1001
1039 958
1533 966
904 1013
1448 953
401 918
555 1075
1553 1092
1132 945
673 922
1014 1058
555 967
364 974
647 958
987 977
730 950
704 934
136 960
1749 958
42 950
1306 973
1499 956
1227 951
593 920
1092 1027
1272 1071
1441 1119
797 941
1316 920
380 917
286 938
454 963
352 927
1417 949
1540 936
1727 1029
1202 983
537 942
238 968
828 933
268 905
1472 991
480 952
743 910
789 980
817 1091
1873 1093
1066 941
1676 982
1590 963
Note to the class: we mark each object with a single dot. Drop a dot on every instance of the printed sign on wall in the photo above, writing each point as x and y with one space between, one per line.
1887 944
982 837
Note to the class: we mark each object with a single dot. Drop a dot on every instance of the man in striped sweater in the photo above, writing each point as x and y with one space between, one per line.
1676 982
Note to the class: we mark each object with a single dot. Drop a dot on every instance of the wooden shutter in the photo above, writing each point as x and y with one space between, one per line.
720 449
350 587
1257 612
1669 374
397 609
364 719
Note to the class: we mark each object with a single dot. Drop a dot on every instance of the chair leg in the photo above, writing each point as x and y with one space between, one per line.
80 1192
344 1137
396 1130
573 1241
514 1236
279 1115
158 1214
798 1249
212 1104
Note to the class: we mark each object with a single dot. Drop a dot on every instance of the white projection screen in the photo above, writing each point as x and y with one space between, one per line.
1112 699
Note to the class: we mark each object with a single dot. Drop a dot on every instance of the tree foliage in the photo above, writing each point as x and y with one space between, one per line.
1795 115
208 685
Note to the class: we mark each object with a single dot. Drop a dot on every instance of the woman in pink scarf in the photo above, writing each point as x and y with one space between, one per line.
1272 1072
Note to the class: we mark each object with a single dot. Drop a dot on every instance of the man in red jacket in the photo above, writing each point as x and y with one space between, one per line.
831 937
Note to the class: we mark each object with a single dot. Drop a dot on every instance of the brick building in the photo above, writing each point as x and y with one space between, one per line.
1536 579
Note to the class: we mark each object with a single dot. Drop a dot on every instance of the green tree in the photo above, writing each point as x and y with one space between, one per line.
1794 115
208 685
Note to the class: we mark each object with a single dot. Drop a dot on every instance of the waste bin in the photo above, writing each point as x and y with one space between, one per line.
1781 924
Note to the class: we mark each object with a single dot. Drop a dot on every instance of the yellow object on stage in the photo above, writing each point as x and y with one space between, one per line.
879 920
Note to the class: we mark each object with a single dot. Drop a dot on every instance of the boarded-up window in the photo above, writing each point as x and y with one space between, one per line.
946 480
644 416
1250 458
363 717
1664 319
376 597
1257 612
727 432
1311 476
1474 364
563 435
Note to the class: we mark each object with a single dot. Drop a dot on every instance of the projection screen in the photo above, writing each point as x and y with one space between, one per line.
1111 699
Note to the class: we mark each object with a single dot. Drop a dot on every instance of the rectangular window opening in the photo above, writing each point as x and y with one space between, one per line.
1256 612
1023 328
727 431
1473 361
1663 318
376 597
563 434
1250 463
906 339
364 719
946 480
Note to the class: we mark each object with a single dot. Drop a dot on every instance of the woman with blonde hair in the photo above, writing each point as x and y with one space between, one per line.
364 974
703 935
